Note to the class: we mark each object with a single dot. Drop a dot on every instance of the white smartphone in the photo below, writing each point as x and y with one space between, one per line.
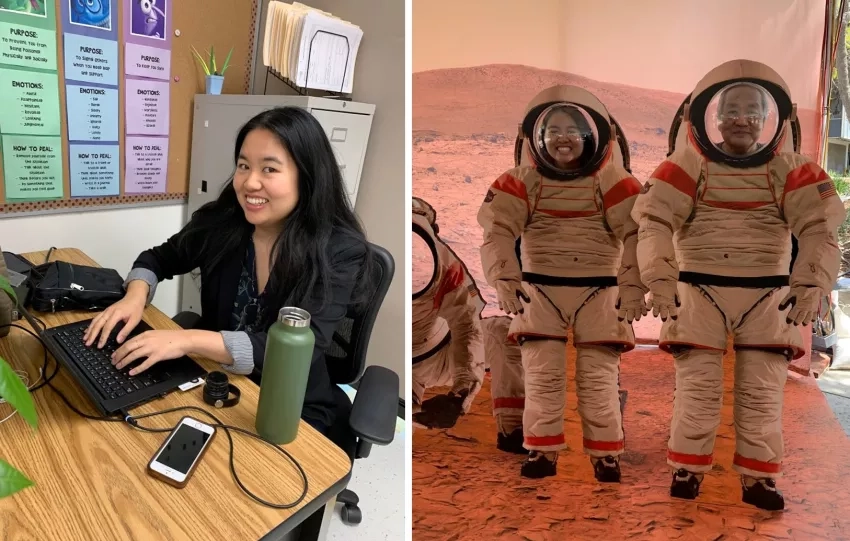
180 453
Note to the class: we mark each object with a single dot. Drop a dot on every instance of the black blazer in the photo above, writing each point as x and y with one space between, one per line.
218 292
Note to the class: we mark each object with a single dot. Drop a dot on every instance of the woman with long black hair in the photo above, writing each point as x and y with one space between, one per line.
282 233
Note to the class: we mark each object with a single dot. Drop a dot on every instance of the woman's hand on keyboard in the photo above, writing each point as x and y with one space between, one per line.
128 311
155 345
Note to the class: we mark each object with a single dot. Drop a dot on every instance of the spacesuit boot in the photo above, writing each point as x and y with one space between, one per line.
685 484
540 464
762 493
511 443
506 383
606 469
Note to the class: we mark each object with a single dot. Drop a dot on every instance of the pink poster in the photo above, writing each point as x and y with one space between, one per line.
147 164
143 61
146 107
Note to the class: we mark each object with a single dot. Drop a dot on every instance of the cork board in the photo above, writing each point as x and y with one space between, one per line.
222 24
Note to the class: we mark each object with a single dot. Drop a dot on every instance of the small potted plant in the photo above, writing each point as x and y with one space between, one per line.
15 393
215 77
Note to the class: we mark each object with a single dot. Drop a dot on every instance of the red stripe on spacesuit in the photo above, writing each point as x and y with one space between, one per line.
756 465
621 191
675 176
690 460
603 445
805 175
512 186
544 441
798 352
451 281
509 403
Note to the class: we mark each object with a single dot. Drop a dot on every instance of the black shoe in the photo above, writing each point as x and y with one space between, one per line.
606 470
763 494
537 466
685 485
511 443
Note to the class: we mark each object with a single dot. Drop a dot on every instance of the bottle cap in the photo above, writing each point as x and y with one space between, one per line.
294 317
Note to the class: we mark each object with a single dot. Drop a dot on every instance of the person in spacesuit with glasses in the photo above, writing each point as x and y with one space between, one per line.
571 208
714 247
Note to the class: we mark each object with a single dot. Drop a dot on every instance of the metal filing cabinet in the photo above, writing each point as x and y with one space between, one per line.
217 120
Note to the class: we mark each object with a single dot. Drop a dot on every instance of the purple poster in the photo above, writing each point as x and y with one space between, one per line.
146 107
148 22
147 164
94 18
143 61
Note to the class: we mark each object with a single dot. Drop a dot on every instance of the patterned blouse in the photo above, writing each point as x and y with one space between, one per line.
249 303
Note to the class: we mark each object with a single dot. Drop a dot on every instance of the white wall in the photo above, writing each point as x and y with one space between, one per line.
113 238
379 78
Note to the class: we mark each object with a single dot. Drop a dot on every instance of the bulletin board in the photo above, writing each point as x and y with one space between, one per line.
219 23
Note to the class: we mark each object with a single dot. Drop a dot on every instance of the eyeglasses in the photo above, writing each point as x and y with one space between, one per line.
751 118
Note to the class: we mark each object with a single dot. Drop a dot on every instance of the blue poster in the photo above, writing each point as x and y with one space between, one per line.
92 113
94 170
91 60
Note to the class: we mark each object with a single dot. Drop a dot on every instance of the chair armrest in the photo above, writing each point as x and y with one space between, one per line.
187 320
375 408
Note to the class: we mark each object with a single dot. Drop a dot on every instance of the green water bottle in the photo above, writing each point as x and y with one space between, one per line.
289 352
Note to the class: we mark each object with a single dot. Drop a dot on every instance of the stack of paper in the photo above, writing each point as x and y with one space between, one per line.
309 47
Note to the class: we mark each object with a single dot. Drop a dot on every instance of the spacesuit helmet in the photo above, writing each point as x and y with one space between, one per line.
567 132
740 114
423 246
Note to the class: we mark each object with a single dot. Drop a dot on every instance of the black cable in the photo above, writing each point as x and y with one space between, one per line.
132 420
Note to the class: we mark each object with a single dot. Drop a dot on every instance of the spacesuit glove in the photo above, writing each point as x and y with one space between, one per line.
441 411
467 390
509 293
631 304
664 299
804 303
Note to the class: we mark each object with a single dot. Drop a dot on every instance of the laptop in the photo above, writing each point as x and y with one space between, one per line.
110 389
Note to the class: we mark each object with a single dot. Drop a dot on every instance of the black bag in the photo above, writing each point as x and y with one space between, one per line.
59 285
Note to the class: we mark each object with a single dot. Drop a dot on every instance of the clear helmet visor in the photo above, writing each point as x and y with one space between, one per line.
423 262
741 119
565 137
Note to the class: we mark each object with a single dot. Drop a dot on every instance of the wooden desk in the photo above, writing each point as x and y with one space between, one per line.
90 476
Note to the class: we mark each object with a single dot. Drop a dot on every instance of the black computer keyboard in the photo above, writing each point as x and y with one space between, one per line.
97 365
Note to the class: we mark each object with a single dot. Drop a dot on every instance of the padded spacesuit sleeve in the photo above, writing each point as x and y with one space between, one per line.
814 212
503 216
665 202
458 309
618 199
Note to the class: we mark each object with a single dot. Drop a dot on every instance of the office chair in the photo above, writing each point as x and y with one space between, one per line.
371 420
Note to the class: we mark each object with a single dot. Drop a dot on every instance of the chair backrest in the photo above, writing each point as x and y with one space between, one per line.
346 356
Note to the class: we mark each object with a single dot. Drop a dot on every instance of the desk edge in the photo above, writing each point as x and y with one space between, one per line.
297 518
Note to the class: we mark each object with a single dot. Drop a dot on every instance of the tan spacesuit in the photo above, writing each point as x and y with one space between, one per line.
446 329
571 207
507 387
728 199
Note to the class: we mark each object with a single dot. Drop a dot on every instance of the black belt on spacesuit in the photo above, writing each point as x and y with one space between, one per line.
572 281
443 343
749 282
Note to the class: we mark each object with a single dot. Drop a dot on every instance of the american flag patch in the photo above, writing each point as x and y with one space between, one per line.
826 189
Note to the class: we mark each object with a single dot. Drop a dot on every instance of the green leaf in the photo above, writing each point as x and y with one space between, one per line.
11 480
13 390
226 61
6 286
212 59
201 59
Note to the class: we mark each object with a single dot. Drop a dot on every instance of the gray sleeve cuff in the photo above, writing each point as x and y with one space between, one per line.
239 346
145 276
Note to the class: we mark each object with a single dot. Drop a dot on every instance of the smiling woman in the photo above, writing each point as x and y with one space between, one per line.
282 233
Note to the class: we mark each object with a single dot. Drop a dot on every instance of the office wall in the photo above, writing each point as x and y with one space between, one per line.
379 79
113 238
